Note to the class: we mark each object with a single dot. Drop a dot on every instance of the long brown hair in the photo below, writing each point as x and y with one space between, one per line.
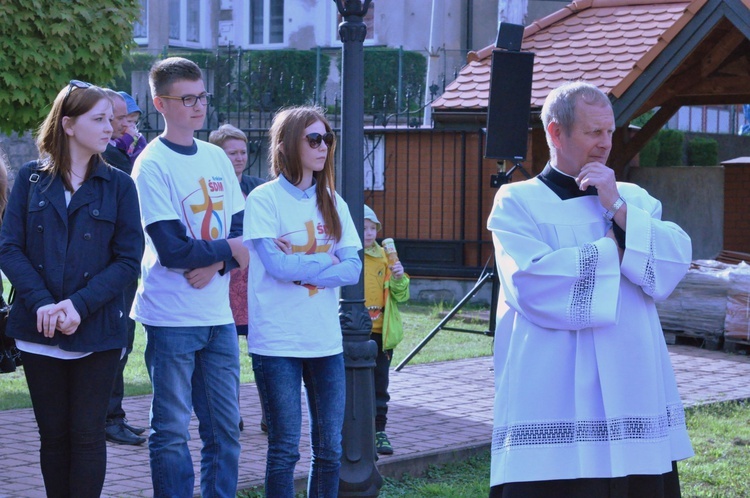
289 128
52 141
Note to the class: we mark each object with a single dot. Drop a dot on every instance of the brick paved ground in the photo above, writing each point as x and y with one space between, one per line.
438 412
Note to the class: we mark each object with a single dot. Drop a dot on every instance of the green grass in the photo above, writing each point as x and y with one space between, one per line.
418 321
720 434
466 479
721 438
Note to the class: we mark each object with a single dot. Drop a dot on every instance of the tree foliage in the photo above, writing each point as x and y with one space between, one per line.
45 44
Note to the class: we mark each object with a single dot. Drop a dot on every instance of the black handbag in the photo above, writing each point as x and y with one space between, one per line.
10 356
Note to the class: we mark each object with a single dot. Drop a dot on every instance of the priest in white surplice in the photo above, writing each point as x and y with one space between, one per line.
586 402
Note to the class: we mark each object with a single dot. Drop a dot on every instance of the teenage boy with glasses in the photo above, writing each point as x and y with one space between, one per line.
192 209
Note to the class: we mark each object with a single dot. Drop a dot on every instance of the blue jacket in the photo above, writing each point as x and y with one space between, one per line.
88 252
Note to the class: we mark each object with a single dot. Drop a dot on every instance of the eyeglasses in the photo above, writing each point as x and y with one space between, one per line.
315 139
191 100
74 84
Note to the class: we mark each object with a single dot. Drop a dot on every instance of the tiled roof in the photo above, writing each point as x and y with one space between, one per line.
605 42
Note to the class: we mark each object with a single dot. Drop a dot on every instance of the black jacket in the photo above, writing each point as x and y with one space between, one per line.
88 252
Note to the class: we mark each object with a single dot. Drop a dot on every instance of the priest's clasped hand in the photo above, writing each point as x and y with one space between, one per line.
603 178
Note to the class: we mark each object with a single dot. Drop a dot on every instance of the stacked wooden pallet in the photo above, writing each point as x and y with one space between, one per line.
733 257
694 313
711 305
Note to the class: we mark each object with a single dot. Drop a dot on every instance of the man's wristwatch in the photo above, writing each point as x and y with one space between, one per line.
610 213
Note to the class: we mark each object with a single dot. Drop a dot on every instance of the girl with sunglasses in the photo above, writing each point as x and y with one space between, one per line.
303 244
70 243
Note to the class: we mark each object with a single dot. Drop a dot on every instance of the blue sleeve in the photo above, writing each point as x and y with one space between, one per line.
234 231
347 272
289 267
176 250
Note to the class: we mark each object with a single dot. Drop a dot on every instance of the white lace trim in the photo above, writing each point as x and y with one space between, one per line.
636 429
649 277
582 291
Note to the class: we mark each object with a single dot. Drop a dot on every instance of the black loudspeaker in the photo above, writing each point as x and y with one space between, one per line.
509 36
510 105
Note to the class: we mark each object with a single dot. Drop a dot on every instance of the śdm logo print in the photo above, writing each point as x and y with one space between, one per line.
310 246
203 210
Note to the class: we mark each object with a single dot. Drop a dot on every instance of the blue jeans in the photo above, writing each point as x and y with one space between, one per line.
279 381
194 368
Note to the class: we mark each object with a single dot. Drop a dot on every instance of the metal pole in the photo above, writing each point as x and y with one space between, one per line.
359 476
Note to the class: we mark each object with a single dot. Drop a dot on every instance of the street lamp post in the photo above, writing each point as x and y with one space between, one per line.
359 476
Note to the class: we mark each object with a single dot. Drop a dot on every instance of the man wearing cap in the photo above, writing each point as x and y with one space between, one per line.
113 156
117 428
130 142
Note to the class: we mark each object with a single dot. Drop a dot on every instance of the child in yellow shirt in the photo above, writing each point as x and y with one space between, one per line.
385 287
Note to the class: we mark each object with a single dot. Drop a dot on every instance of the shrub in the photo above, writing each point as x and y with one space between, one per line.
275 78
641 120
703 152
135 61
381 78
671 145
649 154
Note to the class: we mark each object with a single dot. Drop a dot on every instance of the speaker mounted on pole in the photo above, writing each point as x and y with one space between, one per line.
510 96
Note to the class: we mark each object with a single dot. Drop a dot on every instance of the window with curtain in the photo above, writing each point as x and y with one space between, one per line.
266 21
174 19
276 21
140 27
256 22
193 21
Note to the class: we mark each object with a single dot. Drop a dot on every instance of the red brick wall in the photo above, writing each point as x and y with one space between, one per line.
737 207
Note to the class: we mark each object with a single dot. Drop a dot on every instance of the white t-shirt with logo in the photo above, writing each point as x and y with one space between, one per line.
287 318
202 192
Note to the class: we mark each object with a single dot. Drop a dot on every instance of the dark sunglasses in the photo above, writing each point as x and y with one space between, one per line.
314 139
74 84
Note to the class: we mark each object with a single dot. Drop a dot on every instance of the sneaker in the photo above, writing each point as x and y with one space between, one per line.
382 445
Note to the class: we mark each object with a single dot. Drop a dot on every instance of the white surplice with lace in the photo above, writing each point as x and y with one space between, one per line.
584 386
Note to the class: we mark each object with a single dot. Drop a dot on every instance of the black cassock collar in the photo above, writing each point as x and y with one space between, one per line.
563 185
566 188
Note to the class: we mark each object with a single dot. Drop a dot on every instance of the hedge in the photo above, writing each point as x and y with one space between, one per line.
703 152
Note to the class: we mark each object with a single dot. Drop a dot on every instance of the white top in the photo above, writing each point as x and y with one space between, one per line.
286 318
584 387
202 192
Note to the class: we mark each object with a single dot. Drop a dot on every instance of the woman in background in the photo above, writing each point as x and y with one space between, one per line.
234 143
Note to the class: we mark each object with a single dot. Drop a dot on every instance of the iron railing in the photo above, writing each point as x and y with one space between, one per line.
428 186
